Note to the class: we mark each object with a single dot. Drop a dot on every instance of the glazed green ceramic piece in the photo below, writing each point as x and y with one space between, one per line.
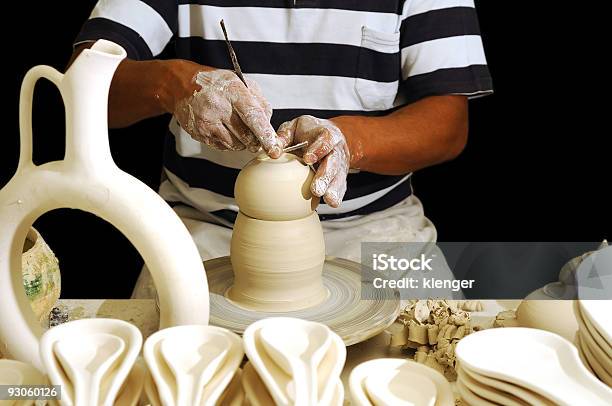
41 274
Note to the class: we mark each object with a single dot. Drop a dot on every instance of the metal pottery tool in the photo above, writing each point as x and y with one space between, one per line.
238 72
292 148
232 54
296 146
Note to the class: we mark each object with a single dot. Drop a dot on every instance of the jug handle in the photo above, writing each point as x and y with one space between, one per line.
25 109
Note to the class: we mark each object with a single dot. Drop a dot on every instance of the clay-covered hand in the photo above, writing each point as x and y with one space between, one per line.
326 146
227 115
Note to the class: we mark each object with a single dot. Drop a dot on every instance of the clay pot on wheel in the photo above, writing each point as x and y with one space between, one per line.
277 264
277 248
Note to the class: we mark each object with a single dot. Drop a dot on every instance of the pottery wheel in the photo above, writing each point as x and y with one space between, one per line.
352 318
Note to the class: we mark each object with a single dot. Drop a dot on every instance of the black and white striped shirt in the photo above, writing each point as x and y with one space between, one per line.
319 57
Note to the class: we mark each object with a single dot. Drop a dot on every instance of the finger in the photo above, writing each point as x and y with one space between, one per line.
199 131
241 131
256 91
336 190
213 143
286 132
322 145
326 172
225 138
254 117
263 102
185 116
236 142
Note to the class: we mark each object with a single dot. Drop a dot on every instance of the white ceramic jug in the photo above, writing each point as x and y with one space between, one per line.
88 179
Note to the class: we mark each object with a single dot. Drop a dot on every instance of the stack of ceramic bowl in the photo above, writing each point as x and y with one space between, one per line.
594 337
523 366
390 381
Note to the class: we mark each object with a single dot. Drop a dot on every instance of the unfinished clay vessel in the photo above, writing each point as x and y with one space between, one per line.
278 265
277 249
275 189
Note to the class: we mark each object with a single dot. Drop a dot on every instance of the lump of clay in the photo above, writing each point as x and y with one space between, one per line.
275 189
506 318
433 328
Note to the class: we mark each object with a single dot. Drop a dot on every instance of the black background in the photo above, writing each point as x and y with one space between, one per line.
536 167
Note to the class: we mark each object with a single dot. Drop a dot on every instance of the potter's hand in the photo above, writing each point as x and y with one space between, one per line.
227 115
327 146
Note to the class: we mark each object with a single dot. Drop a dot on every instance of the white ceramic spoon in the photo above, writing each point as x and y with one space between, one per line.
469 397
541 361
79 332
58 376
488 392
581 354
129 395
597 368
9 376
595 349
526 395
598 313
391 388
588 328
185 355
151 391
254 388
273 377
338 398
297 346
359 374
233 394
87 362
329 371
19 373
193 361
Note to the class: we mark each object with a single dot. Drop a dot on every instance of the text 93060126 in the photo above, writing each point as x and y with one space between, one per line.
30 392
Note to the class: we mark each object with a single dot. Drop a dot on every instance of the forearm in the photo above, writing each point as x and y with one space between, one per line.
144 89
425 133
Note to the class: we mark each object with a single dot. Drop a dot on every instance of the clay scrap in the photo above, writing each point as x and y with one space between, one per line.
433 327
507 318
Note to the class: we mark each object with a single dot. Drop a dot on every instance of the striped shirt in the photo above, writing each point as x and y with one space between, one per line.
320 57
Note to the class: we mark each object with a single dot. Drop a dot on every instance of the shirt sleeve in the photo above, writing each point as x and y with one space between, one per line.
441 50
142 27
